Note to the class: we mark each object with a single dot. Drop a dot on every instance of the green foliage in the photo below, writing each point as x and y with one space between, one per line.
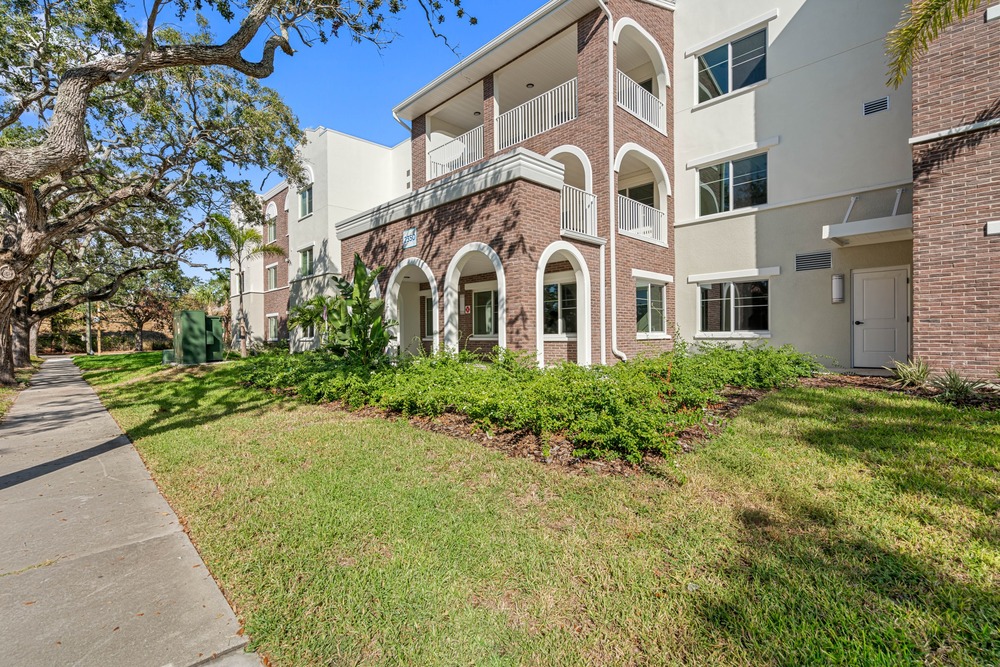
625 410
921 23
956 389
913 373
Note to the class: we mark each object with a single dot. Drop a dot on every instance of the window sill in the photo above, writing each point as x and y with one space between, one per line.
732 335
725 215
305 217
558 338
427 339
728 96
652 336
486 338
640 237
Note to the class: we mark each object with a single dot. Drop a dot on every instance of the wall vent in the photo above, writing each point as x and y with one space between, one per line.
877 106
812 261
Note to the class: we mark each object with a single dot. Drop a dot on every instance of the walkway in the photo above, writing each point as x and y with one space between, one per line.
94 566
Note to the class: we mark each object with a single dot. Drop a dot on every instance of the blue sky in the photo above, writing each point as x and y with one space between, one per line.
352 87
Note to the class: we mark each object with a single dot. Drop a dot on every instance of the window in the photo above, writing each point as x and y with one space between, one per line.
272 327
272 230
646 85
559 309
306 262
306 201
644 194
732 185
734 307
272 277
428 317
485 314
732 66
650 309
309 331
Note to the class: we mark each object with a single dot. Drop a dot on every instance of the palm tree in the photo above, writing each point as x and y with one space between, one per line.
237 243
921 23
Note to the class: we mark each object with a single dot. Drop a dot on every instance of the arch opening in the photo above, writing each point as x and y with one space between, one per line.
412 301
475 301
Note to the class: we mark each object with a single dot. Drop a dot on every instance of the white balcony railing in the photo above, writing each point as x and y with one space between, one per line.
637 219
640 102
579 211
457 153
538 115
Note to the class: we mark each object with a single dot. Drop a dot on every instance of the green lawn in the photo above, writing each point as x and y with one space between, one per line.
823 527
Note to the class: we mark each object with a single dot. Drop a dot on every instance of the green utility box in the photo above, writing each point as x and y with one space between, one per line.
214 349
189 337
168 357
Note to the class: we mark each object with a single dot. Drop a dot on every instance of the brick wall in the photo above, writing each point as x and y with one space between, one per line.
276 301
956 268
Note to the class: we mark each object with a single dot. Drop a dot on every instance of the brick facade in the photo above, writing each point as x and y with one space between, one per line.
276 301
956 267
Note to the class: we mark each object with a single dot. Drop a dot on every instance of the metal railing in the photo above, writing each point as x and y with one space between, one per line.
457 153
640 220
579 211
538 115
639 102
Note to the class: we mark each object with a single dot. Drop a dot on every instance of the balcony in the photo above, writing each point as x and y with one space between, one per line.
641 221
537 116
456 154
641 103
579 211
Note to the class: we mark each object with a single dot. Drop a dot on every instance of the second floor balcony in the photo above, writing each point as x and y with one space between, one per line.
455 154
538 115
642 221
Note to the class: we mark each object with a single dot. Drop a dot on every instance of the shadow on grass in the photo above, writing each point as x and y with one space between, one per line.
812 587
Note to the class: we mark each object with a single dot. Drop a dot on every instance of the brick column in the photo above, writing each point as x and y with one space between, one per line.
419 136
489 127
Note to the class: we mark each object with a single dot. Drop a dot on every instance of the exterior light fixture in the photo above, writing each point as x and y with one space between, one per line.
531 85
477 113
837 288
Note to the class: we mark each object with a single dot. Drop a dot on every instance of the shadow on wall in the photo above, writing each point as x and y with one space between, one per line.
947 150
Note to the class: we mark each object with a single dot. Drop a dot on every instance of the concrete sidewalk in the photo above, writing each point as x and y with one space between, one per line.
94 566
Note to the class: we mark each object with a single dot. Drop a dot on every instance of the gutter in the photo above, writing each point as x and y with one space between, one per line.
612 199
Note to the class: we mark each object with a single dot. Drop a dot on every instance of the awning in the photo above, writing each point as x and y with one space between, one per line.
878 217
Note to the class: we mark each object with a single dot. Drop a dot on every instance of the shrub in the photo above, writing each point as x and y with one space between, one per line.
912 373
956 389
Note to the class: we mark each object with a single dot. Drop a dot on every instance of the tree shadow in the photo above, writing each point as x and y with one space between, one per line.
946 150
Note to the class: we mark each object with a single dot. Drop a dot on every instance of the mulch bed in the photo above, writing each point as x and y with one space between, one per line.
519 444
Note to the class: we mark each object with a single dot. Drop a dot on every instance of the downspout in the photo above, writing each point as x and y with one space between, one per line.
408 129
613 231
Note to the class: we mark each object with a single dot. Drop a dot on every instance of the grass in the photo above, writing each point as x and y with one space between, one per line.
824 526
9 394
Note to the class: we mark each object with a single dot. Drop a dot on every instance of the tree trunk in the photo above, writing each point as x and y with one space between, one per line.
138 338
33 339
7 294
20 341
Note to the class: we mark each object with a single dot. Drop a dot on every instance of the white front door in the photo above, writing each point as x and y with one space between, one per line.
881 317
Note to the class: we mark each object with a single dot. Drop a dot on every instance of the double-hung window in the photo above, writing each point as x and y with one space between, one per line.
733 308
734 65
272 277
309 331
650 309
272 230
306 201
306 262
733 185
272 327
559 309
428 317
485 314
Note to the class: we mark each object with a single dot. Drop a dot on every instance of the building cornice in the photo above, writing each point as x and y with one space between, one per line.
519 164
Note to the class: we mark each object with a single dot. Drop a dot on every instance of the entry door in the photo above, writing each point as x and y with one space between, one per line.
881 317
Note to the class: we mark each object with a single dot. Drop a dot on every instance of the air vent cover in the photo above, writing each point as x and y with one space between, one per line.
876 106
812 261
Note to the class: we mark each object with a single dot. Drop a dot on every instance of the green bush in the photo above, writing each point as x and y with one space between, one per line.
624 410
956 389
909 373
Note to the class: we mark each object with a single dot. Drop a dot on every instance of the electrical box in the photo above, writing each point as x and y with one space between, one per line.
214 350
189 337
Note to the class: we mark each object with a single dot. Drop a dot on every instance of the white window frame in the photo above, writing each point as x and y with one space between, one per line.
560 279
272 317
495 304
732 198
267 277
733 333
428 317
271 228
648 285
312 262
306 193
309 333
728 43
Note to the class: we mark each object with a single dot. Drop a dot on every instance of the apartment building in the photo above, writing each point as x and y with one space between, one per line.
345 175
607 173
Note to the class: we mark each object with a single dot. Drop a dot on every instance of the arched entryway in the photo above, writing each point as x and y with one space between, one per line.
412 300
475 300
562 289
643 193
643 78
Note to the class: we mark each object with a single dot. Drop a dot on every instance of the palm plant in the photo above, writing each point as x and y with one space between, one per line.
324 314
921 23
237 243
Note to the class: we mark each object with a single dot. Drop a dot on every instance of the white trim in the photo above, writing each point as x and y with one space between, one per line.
583 298
270 266
734 153
735 335
451 292
993 227
311 244
730 34
267 212
735 213
847 230
658 335
278 315
669 5
734 275
560 277
519 164
731 94
581 155
275 191
645 239
392 299
955 131
652 276
909 305
559 338
661 68
482 286
583 238
992 13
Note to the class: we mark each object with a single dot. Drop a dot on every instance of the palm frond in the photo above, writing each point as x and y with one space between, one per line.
921 23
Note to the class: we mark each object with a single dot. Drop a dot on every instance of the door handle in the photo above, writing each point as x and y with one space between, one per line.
858 322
